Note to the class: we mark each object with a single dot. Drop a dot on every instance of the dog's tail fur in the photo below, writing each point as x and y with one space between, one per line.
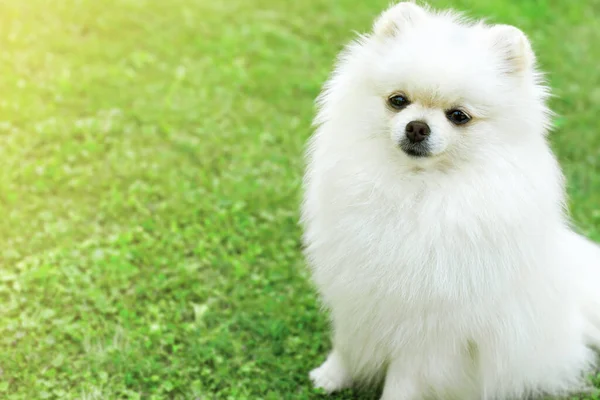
588 255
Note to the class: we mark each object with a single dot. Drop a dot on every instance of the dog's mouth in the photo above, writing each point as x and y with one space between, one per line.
415 150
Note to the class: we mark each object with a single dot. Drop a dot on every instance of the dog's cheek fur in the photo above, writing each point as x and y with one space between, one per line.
459 275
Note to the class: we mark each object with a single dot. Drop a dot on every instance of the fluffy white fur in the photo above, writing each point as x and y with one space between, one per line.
454 276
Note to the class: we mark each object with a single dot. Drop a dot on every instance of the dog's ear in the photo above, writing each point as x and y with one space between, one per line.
398 17
513 48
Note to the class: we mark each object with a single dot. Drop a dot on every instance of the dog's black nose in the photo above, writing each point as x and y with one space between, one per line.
417 131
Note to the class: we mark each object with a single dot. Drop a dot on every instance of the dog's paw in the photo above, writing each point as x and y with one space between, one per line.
331 376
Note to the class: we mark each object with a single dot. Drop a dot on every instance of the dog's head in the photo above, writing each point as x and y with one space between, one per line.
438 87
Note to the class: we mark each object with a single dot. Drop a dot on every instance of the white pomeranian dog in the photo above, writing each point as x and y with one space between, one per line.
435 222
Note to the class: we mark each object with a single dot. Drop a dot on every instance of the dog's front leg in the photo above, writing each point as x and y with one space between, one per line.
400 384
332 375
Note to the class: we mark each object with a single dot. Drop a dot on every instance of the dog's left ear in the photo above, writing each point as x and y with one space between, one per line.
397 18
513 47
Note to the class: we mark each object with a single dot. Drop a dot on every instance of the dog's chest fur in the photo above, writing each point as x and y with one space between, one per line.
410 270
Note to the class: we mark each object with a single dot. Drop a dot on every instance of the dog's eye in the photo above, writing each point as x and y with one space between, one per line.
398 101
458 117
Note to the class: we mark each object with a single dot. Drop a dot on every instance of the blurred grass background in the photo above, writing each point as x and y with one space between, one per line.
151 160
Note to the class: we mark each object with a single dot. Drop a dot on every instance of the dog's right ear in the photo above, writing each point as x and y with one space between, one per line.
397 17
513 47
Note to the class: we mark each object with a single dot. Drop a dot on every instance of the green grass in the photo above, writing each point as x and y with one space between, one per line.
151 160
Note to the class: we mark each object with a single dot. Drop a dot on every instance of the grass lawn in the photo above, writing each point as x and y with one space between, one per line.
151 160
